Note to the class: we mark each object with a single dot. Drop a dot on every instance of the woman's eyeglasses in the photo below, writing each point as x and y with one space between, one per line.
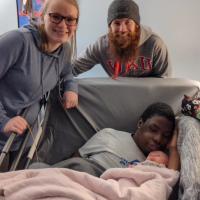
56 19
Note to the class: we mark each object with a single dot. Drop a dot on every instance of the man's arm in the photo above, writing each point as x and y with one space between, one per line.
91 56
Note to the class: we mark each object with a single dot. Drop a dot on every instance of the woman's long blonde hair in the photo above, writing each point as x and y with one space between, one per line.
44 38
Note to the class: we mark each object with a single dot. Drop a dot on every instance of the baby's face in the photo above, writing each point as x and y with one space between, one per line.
158 156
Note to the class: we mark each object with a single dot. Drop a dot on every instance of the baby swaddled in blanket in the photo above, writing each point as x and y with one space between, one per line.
152 179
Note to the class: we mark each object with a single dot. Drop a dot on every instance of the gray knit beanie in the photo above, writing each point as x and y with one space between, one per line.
123 9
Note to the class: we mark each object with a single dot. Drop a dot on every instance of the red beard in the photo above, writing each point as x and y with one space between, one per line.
124 46
121 40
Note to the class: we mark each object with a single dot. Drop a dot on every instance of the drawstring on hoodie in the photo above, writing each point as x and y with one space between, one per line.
117 69
41 81
58 79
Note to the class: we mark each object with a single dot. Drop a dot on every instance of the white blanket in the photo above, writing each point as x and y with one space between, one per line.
138 183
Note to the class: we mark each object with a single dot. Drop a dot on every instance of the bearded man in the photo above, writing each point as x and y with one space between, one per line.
128 49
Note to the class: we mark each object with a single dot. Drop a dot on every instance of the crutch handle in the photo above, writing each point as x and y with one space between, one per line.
7 147
10 141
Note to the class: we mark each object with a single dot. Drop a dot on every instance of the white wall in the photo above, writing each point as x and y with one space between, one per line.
177 22
8 15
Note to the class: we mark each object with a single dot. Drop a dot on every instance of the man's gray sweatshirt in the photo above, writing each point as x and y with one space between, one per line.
152 59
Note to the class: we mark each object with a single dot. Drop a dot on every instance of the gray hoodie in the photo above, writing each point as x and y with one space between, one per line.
26 73
152 59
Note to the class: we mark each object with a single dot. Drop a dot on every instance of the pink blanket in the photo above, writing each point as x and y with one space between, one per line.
139 183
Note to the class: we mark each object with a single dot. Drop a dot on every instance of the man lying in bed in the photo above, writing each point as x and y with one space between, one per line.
111 148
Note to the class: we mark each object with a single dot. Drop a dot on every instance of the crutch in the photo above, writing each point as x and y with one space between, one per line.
9 142
22 147
41 123
27 135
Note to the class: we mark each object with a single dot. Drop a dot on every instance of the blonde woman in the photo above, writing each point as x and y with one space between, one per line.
33 60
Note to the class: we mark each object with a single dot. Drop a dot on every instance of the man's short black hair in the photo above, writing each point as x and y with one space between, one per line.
159 109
